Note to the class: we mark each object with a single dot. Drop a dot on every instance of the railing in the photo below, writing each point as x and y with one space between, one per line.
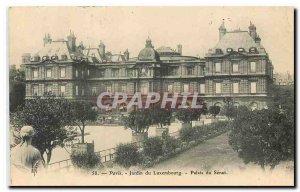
105 155
60 164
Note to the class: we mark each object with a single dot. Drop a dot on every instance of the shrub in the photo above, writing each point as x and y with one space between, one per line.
187 134
264 137
146 161
127 155
153 147
214 110
170 144
85 160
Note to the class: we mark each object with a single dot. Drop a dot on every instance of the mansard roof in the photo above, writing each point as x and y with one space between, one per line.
235 40
93 55
164 50
58 48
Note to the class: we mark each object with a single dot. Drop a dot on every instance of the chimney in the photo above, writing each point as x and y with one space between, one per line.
222 30
47 39
257 40
252 30
102 49
126 55
26 58
179 49
72 41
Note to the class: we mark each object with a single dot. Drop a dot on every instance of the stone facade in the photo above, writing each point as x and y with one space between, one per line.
237 67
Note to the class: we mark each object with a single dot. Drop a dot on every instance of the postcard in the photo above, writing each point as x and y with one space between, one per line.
151 96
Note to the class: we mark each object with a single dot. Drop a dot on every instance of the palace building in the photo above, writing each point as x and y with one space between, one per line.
237 67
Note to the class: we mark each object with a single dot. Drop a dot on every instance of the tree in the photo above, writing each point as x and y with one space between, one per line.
82 112
138 121
16 89
264 137
229 111
214 110
49 118
282 97
161 117
184 115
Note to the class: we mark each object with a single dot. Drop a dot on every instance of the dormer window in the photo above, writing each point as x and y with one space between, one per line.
36 58
54 57
219 51
241 50
252 50
64 57
229 50
44 58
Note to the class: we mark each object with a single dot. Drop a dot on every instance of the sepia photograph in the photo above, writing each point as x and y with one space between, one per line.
151 96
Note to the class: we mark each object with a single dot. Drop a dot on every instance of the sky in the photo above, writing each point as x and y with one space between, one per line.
196 28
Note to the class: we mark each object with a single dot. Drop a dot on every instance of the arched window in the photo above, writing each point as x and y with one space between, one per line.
229 50
218 104
241 50
236 104
253 106
253 50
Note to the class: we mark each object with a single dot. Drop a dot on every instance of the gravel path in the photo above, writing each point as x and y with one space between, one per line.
213 153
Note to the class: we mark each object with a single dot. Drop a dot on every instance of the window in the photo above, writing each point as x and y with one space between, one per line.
170 88
108 89
219 51
64 57
202 88
186 88
49 89
48 72
149 72
217 67
35 90
236 104
76 90
252 66
177 87
241 50
252 50
88 72
115 73
235 87
218 88
173 71
123 88
229 50
235 67
144 88
94 91
82 73
101 73
253 87
253 106
35 72
82 91
62 90
76 73
63 72
190 70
